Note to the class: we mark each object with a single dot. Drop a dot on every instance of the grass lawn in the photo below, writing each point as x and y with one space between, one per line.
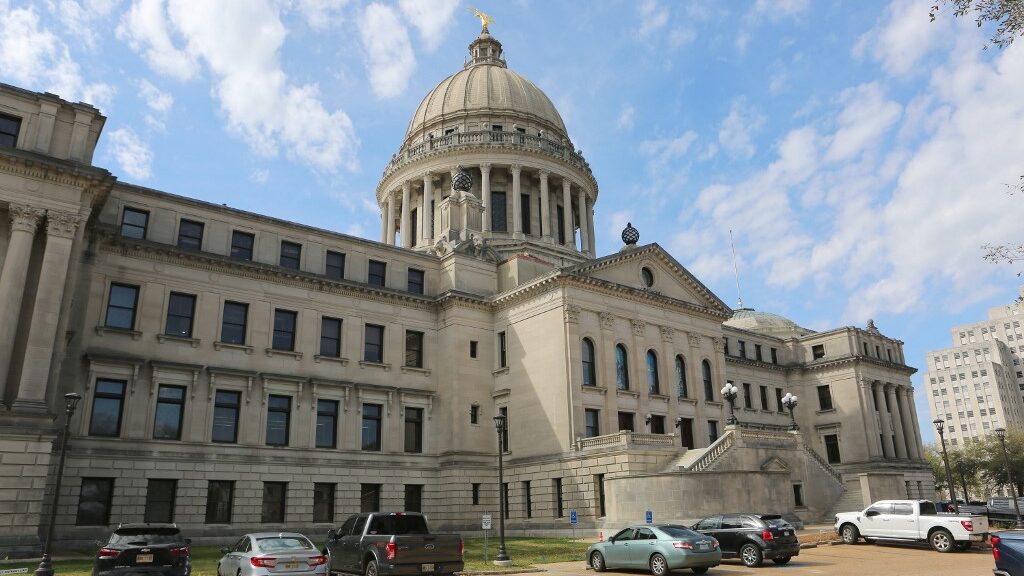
524 553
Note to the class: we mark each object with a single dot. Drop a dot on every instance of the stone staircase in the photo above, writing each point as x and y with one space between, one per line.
702 459
851 500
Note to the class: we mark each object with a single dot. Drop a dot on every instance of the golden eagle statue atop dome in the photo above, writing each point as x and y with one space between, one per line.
484 18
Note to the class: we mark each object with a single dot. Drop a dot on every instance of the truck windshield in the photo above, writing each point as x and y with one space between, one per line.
928 509
398 525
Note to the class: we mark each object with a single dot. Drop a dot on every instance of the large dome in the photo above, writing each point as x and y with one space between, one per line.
766 323
485 87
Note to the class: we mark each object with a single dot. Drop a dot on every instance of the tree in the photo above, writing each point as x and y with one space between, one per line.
1007 15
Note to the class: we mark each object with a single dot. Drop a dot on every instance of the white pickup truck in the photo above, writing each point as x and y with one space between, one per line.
912 520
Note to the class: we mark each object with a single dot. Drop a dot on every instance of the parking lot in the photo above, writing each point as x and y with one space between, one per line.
861 560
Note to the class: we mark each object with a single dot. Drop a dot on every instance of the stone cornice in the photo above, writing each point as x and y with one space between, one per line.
758 364
40 167
843 361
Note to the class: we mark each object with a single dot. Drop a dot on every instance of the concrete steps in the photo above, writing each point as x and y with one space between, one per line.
852 500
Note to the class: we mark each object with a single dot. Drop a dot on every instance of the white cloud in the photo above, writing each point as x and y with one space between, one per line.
903 36
146 28
653 17
617 222
322 14
775 9
663 151
432 18
626 117
742 41
131 153
389 57
157 100
738 128
866 116
681 36
260 176
80 17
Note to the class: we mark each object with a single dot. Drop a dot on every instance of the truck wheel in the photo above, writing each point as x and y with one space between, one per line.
371 568
659 566
941 541
849 533
597 562
751 555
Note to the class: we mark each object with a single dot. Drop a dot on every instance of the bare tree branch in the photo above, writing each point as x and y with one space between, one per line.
1007 15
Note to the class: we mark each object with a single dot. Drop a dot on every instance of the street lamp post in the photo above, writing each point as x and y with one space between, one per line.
789 402
950 483
1001 433
501 423
729 392
45 565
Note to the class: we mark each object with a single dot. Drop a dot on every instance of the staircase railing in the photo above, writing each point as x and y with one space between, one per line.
824 465
714 452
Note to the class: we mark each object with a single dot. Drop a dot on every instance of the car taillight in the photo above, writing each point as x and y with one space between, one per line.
767 535
108 553
995 548
390 551
462 548
967 524
682 545
714 543
179 552
263 561
317 560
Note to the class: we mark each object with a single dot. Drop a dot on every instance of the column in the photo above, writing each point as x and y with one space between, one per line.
906 406
888 451
545 207
897 422
485 195
391 218
667 374
24 221
590 227
584 232
406 224
870 424
567 213
916 425
42 331
517 203
383 226
696 385
427 228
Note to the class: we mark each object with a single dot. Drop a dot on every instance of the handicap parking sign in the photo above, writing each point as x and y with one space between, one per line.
572 517
650 517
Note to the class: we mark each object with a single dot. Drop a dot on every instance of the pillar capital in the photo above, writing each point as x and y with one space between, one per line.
543 174
62 224
515 168
24 218
485 167
406 186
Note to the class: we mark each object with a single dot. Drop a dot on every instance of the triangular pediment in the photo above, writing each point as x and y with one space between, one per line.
774 464
668 277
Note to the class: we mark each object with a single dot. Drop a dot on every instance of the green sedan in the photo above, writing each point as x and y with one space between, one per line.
660 548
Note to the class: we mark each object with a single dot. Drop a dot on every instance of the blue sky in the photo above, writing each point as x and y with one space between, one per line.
858 151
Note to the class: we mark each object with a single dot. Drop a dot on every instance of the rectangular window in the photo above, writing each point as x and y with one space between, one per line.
94 502
527 503
593 422
291 255
107 406
626 421
323 503
778 400
414 225
220 496
472 348
225 416
818 351
371 427
190 234
764 397
657 424
284 330
330 337
9 128
888 354
775 356
824 397
524 212
505 447
712 431
476 494
878 351
560 211
499 212
160 501
241 245
416 281
134 223
373 347
741 348
170 411
279 412
599 488
559 504
413 497
832 449
369 498
326 423
413 349
758 353
274 496
502 350
414 430
121 305
798 495
474 414
335 267
233 326
377 273
748 398
181 309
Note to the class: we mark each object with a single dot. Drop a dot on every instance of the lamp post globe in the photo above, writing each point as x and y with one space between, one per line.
71 401
729 392
500 424
789 402
939 426
1001 433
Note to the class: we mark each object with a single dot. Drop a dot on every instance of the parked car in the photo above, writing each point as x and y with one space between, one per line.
753 538
1008 552
157 549
658 548
265 553
912 520
392 543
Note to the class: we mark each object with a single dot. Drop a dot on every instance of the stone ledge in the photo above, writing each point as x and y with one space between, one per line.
368 364
415 370
104 330
275 352
338 359
229 346
194 342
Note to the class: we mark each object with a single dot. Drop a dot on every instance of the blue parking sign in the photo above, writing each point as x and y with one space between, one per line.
650 517
572 517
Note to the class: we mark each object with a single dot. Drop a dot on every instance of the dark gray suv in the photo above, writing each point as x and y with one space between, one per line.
133 549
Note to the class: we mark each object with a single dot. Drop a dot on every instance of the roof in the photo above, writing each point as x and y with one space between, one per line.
766 323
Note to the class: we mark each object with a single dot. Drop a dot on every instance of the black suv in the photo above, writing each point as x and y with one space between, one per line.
157 549
752 537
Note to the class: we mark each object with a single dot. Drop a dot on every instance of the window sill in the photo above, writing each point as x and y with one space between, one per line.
230 346
194 342
598 389
657 396
713 403
368 364
826 411
687 400
499 371
321 358
627 393
415 370
275 352
104 330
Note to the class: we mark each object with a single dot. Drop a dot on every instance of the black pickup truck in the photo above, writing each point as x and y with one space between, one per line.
392 543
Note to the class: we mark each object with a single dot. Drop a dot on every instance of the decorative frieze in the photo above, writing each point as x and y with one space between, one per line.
572 314
667 333
607 320
694 339
639 327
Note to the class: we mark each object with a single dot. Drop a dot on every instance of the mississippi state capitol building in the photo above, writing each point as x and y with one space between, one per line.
239 372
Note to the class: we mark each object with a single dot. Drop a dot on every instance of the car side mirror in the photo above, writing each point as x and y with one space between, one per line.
871 513
332 535
225 550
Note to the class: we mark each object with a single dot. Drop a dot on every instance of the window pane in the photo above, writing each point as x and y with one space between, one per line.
94 502
225 416
234 324
330 337
371 427
160 501
106 408
335 265
170 408
284 330
273 501
291 254
9 128
414 349
499 218
180 309
416 281
121 306
323 502
414 430
377 273
326 423
133 223
278 415
374 345
219 498
241 245
190 235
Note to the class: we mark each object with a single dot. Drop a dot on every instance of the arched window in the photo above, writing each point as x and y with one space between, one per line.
621 368
653 385
709 387
589 368
681 390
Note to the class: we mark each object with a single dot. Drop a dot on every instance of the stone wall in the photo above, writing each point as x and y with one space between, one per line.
24 470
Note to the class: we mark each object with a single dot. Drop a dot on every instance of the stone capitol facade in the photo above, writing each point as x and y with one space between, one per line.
240 372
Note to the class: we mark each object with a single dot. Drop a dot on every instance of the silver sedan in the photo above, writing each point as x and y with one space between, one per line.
272 553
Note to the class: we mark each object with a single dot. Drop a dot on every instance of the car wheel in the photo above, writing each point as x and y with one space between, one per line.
941 541
849 534
751 555
700 570
659 566
783 560
597 562
371 568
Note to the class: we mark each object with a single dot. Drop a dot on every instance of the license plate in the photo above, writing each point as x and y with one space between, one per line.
291 565
426 567
703 546
144 559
